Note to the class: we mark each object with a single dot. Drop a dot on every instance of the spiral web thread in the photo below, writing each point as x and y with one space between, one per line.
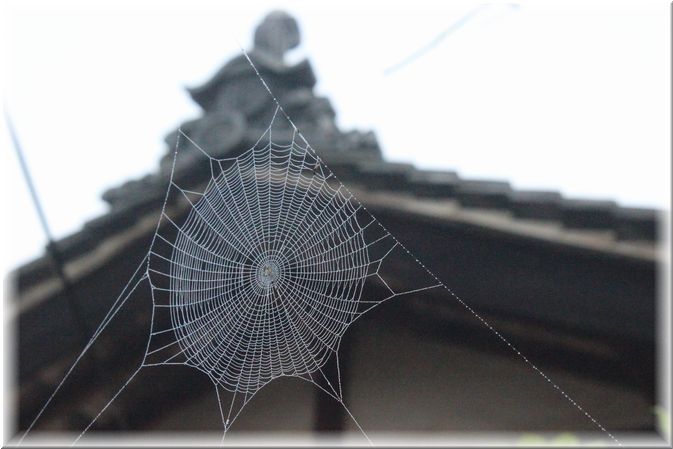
266 272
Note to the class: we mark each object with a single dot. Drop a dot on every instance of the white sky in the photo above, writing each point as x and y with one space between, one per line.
569 95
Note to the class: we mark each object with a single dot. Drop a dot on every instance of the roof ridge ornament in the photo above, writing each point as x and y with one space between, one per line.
236 109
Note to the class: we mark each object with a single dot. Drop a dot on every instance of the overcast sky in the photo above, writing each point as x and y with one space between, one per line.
570 95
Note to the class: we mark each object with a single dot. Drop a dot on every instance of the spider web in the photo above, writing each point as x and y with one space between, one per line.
266 271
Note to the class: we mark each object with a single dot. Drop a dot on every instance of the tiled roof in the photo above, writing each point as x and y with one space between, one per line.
523 208
627 223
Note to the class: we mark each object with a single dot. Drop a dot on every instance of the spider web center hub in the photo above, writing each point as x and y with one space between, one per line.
269 270
268 273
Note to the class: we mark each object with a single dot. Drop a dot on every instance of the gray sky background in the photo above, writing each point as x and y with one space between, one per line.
568 95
